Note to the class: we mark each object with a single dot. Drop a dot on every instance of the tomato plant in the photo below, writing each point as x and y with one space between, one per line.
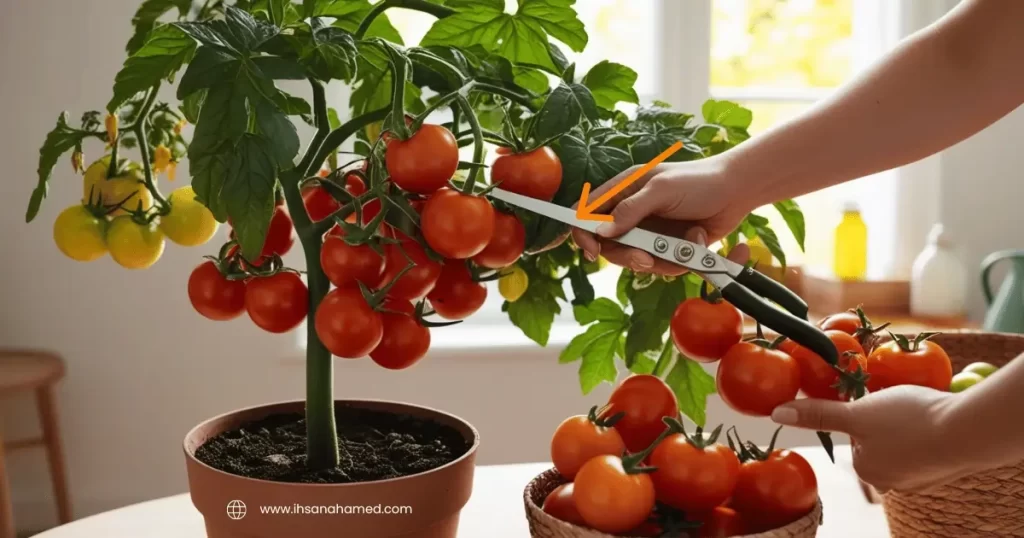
704 328
902 361
774 488
580 438
560 127
644 401
754 378
277 303
695 474
456 295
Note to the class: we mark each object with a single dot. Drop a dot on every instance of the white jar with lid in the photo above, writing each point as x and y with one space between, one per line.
938 285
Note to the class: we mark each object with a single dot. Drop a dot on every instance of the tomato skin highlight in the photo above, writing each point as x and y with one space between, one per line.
692 479
775 492
929 366
754 380
817 377
213 295
537 174
425 161
608 499
404 341
560 505
645 400
319 203
456 296
577 440
507 243
346 325
704 331
722 522
346 264
418 281
457 226
277 303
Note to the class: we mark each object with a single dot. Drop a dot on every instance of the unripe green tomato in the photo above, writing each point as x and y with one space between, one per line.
983 369
964 381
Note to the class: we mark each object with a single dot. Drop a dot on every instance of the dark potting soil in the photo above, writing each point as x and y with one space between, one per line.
374 446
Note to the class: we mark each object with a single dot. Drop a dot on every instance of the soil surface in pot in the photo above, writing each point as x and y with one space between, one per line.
374 446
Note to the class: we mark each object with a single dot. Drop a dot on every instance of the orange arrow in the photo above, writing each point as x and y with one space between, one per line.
586 212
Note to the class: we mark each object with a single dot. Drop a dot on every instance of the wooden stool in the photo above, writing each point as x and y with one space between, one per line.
23 370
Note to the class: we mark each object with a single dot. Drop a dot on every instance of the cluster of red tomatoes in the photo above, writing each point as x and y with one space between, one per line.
632 470
754 377
464 229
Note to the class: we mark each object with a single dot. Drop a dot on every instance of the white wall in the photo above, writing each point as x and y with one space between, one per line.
143 368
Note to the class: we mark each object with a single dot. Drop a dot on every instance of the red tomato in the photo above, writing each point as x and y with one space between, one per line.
927 366
577 440
456 295
848 322
645 400
560 505
775 492
817 377
354 184
424 162
346 325
458 226
537 174
609 499
754 380
418 281
319 203
277 303
213 295
346 264
693 479
404 341
704 331
506 244
280 235
722 522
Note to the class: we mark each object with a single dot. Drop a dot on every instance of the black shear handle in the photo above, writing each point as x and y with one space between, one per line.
790 326
772 290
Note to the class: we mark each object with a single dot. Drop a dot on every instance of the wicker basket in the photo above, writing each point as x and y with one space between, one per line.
544 526
990 503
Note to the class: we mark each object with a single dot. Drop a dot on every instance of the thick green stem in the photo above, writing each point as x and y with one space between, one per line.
323 128
507 93
478 143
436 10
338 136
141 124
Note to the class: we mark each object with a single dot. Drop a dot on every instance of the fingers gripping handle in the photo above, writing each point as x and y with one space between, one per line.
790 326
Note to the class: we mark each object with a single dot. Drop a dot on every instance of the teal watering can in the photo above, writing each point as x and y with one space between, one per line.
1005 308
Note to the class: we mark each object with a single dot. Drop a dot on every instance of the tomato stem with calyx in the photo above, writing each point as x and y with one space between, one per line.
421 317
596 416
698 439
444 100
139 128
478 143
911 346
747 450
631 463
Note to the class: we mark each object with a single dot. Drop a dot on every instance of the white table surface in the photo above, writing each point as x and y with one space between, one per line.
497 497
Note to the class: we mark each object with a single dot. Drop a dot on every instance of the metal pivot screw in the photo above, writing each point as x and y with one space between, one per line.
708 261
684 252
660 245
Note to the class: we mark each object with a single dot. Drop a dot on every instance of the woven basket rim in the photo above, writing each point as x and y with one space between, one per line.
537 511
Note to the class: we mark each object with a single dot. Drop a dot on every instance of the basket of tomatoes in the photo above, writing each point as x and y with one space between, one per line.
631 468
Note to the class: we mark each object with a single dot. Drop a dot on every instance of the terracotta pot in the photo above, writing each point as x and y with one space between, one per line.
231 505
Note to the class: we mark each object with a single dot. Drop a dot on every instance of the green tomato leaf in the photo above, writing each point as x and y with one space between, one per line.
374 85
209 67
277 68
582 289
726 114
278 10
624 283
601 309
209 171
653 307
611 83
565 107
275 126
648 145
350 14
295 106
249 192
535 311
692 385
330 53
238 32
521 37
643 364
598 365
159 59
58 141
146 17
224 117
659 114
191 106
755 225
578 346
794 218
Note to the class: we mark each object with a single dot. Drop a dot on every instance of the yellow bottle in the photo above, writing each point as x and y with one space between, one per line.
851 248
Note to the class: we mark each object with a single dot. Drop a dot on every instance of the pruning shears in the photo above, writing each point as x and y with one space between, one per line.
743 287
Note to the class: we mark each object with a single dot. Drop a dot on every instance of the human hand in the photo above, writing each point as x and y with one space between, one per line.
900 435
696 200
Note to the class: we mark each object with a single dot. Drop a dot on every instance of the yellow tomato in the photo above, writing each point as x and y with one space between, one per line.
513 285
79 234
133 245
128 187
189 223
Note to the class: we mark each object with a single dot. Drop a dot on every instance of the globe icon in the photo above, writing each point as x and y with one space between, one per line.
236 510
